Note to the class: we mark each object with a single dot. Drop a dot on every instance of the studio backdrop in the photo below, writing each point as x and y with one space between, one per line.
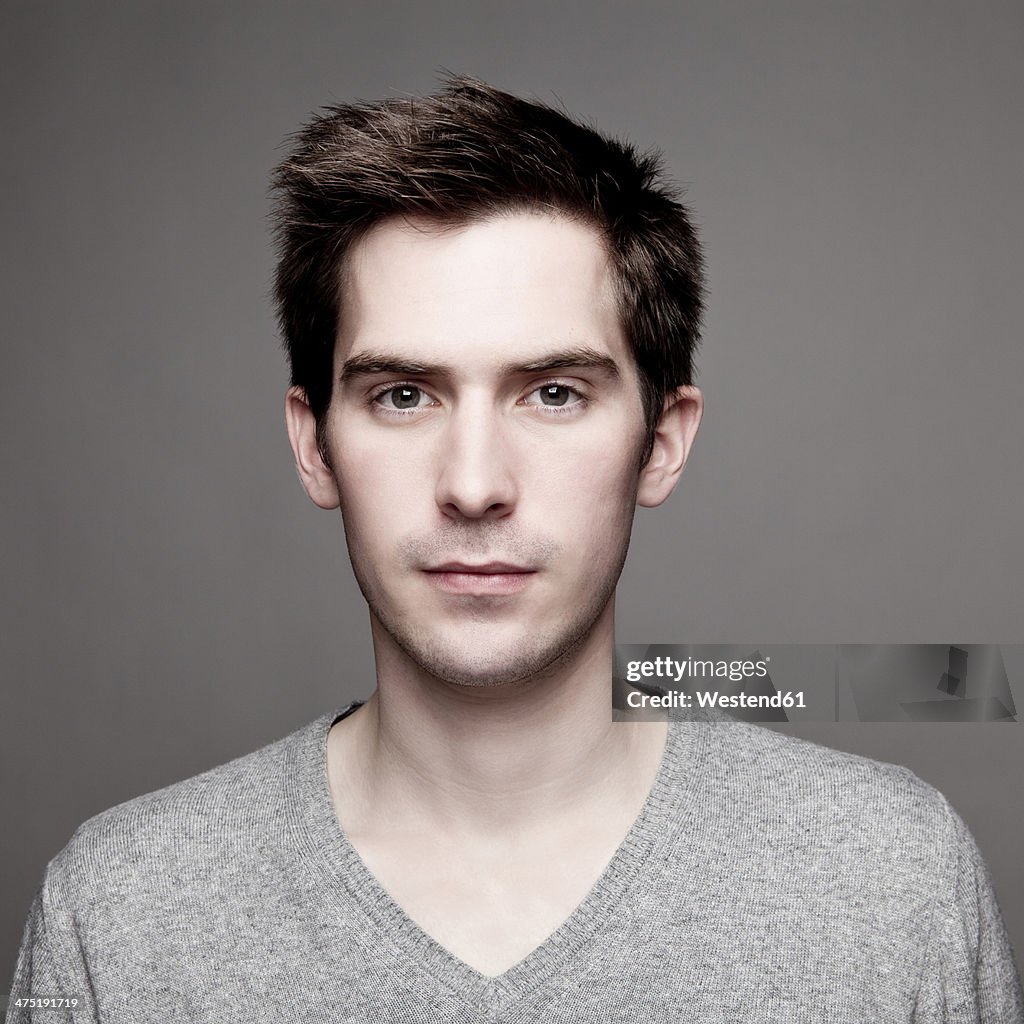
171 599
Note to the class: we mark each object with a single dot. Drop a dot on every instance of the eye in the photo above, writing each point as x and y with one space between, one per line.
555 396
402 398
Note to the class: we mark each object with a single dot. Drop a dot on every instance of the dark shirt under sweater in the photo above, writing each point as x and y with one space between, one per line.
766 879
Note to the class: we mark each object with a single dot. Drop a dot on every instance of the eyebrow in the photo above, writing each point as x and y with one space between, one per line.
369 363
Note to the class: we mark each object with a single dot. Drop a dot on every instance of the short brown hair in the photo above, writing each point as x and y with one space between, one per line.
465 153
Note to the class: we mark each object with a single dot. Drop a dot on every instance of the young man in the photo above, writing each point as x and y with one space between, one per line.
490 313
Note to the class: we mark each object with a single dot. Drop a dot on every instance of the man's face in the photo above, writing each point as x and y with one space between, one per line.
484 432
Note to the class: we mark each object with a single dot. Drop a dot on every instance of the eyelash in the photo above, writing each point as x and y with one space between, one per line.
561 410
380 392
549 410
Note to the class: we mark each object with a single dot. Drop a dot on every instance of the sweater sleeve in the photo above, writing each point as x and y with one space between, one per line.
969 974
50 967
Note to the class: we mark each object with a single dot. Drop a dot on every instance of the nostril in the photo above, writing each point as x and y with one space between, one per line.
475 481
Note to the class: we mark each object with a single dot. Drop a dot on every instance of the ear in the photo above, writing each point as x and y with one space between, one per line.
673 439
314 474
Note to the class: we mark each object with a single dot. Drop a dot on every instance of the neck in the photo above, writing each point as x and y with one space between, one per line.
486 759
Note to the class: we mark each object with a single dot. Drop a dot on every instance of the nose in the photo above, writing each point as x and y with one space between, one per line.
476 479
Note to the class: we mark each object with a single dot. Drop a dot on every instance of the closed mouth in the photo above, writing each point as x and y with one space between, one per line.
480 580
483 569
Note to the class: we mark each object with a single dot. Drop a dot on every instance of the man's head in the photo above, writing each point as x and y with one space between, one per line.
462 155
483 398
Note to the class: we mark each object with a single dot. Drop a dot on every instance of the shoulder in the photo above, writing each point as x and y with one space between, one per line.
796 769
827 863
179 834
812 799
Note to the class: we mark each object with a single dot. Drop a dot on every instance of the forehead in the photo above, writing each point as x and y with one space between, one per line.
515 285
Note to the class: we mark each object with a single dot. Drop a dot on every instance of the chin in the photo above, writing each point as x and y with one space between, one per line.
490 663
472 669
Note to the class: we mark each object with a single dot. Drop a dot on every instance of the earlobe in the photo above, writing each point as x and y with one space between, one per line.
316 478
673 438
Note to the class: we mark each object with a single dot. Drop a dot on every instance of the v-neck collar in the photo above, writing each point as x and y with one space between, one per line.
428 967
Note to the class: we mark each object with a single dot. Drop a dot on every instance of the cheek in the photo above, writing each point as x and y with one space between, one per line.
592 498
368 500
371 474
603 454
605 469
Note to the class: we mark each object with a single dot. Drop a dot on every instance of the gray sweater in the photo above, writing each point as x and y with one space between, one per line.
767 879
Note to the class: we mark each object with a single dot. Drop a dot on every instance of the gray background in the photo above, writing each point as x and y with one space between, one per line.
171 599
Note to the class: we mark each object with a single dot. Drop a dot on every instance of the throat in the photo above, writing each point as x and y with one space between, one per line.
492 888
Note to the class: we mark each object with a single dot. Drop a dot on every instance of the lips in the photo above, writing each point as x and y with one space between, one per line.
485 569
482 579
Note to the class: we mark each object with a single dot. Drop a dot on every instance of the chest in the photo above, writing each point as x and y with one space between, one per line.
491 904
